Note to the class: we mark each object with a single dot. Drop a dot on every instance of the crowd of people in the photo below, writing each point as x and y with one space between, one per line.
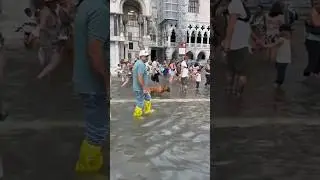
267 31
185 71
49 31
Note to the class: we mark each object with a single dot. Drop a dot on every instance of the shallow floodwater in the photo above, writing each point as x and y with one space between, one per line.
172 144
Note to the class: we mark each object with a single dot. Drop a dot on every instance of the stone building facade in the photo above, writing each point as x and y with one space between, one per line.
151 24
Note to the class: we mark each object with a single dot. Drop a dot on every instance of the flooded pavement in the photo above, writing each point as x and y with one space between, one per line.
41 137
173 143
268 134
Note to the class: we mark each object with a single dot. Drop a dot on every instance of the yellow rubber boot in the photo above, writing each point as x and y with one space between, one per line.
90 158
137 113
148 108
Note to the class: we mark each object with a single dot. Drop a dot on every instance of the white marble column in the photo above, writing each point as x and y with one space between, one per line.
145 27
169 40
126 51
202 39
196 39
121 25
121 49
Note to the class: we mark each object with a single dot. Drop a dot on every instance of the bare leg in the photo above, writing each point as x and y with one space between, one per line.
53 63
41 57
125 83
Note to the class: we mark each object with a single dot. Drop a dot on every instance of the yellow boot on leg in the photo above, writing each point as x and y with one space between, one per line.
148 108
90 158
137 113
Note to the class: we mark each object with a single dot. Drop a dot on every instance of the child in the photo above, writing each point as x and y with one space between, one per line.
198 78
283 57
119 70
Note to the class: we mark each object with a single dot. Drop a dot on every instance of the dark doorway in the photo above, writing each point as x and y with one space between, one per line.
190 55
153 54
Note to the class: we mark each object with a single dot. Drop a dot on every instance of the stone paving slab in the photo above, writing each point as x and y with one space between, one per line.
275 152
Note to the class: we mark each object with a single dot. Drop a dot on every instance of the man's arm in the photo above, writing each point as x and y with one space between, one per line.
230 28
43 18
315 17
98 32
140 76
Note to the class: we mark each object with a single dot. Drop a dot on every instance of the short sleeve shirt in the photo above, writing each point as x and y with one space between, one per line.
242 31
91 23
139 68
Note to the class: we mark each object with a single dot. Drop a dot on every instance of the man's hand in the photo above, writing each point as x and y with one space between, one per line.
146 90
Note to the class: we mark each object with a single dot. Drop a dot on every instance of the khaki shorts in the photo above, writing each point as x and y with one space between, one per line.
237 61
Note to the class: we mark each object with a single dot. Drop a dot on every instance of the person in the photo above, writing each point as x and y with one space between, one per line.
127 73
207 73
274 19
49 32
155 72
140 76
198 78
172 71
312 43
184 74
258 28
91 79
283 54
118 70
236 46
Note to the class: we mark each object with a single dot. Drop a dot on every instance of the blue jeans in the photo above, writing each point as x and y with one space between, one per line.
96 117
141 97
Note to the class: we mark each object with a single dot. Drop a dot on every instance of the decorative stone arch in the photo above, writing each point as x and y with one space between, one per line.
190 55
175 54
170 29
173 35
199 36
201 55
193 36
205 37
143 6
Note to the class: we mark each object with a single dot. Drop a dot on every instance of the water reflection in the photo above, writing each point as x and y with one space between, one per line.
173 143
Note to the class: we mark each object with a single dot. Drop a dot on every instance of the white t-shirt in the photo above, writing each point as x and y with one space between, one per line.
198 77
184 64
242 30
284 52
184 72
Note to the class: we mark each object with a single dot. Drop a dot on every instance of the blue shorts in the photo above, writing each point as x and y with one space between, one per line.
141 97
97 118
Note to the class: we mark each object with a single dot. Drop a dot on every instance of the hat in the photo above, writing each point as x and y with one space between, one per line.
143 53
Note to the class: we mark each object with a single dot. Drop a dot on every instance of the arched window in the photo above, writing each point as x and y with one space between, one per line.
193 6
153 37
205 38
188 37
199 37
193 37
173 36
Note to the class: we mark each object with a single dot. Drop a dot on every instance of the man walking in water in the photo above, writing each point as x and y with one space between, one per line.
140 80
236 45
91 79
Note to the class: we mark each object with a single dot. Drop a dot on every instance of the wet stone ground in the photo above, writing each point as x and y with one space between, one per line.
41 137
268 134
